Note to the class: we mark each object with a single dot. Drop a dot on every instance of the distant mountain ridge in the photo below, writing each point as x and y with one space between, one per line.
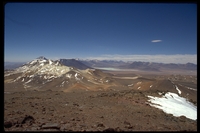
67 62
158 66
85 64
42 74
147 66
74 63
103 63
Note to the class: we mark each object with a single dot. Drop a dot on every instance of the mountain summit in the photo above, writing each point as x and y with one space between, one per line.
41 58
42 74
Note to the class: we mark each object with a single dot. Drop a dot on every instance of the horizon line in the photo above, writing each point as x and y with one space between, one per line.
159 58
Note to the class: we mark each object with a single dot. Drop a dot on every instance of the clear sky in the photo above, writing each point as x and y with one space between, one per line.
101 31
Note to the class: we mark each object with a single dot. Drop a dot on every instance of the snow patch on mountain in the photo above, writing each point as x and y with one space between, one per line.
28 81
32 62
172 103
178 89
76 76
130 85
69 75
38 68
40 71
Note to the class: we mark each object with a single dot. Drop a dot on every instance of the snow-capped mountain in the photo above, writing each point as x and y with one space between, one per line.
43 73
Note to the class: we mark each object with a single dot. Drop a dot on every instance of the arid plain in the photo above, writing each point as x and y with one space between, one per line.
96 100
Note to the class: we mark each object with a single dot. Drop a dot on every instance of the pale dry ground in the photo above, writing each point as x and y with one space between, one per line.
161 72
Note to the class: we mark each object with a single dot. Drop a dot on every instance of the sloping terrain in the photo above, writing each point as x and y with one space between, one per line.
42 74
45 95
74 63
125 110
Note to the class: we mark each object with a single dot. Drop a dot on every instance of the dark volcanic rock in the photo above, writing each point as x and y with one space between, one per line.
7 124
27 119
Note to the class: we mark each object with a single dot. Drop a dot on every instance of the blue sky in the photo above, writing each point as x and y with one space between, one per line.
101 31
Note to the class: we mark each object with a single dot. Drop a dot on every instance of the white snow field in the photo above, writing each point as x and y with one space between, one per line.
173 104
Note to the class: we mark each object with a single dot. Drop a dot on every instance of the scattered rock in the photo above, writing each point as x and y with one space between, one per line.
65 127
75 104
27 118
77 119
51 126
43 109
100 125
182 118
110 130
82 125
118 129
98 114
50 130
72 119
35 128
51 108
8 124
101 117
127 123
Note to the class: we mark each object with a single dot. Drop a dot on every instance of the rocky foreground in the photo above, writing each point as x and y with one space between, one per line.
125 110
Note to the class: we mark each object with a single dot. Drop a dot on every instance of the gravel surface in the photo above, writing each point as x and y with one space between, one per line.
125 110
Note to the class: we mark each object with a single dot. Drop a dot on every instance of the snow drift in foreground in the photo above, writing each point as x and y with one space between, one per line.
171 103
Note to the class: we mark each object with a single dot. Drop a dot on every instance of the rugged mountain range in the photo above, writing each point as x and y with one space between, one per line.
34 99
103 63
85 64
147 66
67 62
159 66
43 74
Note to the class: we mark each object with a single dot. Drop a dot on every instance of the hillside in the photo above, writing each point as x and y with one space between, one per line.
46 95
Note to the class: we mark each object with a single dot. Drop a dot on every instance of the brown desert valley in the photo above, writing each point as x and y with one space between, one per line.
47 95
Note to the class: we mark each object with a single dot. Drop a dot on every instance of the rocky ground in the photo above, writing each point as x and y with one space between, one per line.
124 110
